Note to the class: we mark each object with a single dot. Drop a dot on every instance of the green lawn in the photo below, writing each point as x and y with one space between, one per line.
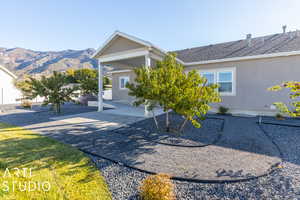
70 174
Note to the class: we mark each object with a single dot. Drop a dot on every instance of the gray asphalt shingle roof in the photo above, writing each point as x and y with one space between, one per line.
283 42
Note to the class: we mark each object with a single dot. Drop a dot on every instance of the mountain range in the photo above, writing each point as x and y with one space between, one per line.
25 61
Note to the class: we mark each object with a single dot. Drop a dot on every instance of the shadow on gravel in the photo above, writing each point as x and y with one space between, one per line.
209 133
240 133
287 138
40 114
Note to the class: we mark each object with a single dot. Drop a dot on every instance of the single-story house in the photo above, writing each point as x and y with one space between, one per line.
244 69
9 94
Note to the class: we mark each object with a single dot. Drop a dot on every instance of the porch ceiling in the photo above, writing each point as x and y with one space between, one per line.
129 63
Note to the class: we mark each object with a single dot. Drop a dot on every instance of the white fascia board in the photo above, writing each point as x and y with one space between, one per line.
155 57
8 72
119 71
124 55
271 55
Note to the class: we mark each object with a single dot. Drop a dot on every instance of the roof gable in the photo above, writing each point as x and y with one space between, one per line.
127 42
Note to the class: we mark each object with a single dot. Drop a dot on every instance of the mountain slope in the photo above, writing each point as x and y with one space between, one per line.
25 61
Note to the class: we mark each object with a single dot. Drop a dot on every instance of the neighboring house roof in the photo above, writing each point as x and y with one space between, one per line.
8 72
276 43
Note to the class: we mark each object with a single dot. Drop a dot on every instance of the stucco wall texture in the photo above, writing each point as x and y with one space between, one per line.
253 77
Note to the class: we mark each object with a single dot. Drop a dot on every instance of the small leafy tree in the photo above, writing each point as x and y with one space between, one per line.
55 90
87 79
24 87
168 86
294 87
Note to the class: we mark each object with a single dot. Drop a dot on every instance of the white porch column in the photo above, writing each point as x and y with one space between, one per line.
100 86
148 65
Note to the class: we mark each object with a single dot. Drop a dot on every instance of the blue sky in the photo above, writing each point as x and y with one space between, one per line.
172 25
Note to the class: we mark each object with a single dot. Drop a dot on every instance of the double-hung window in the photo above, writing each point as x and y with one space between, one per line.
210 76
225 81
123 80
224 77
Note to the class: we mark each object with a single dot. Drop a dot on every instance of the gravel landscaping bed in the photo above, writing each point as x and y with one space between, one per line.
283 183
124 183
285 122
243 152
209 133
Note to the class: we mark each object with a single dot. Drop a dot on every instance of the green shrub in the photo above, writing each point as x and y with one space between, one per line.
222 110
279 116
157 187
26 104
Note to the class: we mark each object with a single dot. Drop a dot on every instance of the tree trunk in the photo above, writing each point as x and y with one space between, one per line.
155 120
183 125
167 121
52 107
57 108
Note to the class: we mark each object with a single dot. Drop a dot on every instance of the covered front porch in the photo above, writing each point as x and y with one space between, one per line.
124 53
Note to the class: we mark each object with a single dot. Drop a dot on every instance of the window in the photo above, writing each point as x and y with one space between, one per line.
224 77
210 76
123 81
225 81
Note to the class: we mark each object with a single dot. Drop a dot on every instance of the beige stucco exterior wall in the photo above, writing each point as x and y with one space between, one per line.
121 44
253 77
121 94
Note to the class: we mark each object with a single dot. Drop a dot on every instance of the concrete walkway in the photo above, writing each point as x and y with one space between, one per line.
73 117
98 120
121 108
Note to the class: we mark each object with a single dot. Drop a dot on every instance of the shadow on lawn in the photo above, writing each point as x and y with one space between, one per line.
38 152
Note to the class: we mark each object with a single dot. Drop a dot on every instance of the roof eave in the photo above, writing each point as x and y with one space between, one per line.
261 56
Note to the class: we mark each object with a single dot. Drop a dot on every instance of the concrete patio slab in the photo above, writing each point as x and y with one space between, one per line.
121 108
100 120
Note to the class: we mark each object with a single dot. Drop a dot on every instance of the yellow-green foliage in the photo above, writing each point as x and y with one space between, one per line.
26 104
167 84
294 87
70 173
157 187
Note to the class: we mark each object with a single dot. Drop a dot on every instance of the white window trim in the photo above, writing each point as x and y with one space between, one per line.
120 78
216 72
209 72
